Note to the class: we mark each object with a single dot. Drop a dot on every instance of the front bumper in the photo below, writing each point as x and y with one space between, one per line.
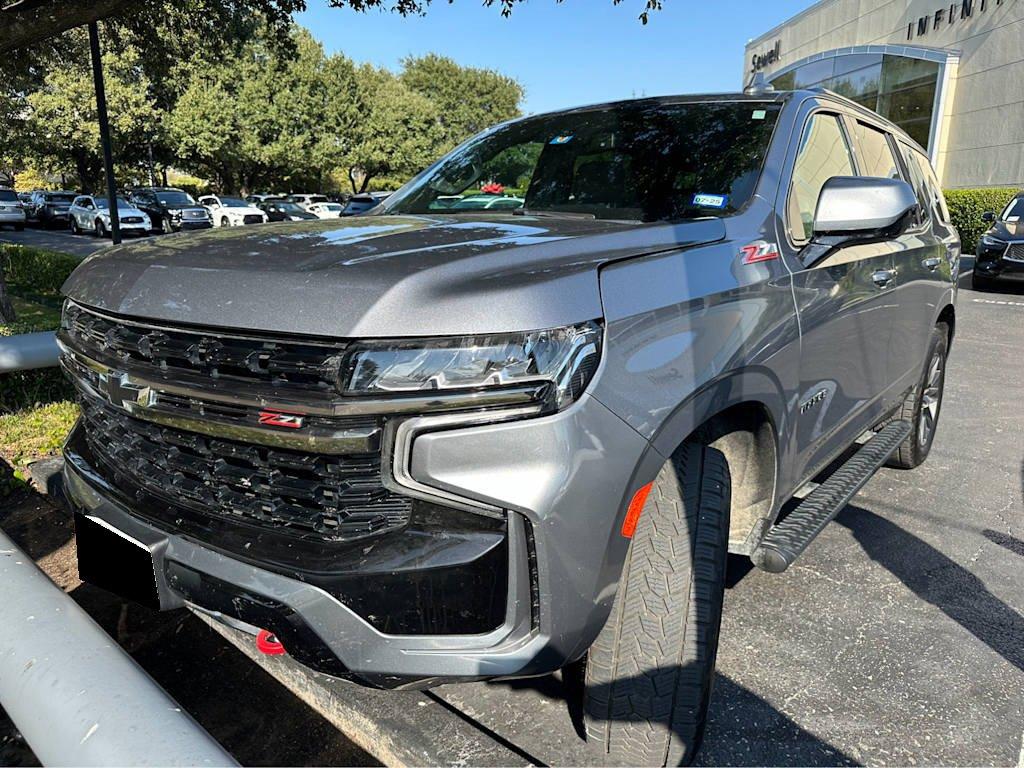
561 483
190 224
1000 263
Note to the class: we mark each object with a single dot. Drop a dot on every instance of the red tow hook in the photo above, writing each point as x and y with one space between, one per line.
267 642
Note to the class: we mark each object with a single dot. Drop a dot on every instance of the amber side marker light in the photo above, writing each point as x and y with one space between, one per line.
636 506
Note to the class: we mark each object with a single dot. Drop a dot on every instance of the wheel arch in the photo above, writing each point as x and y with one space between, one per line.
743 416
948 316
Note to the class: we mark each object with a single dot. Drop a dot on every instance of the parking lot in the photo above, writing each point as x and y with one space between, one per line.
54 240
897 638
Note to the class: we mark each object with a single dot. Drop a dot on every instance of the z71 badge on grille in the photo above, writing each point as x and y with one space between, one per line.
280 419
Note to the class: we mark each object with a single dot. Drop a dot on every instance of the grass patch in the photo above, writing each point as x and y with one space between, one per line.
32 434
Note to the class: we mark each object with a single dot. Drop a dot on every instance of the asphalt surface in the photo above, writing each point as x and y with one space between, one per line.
54 240
896 639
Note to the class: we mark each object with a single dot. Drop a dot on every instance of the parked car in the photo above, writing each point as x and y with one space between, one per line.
11 211
91 213
487 203
231 211
170 209
263 198
999 256
325 210
364 202
425 447
51 208
306 200
285 210
25 198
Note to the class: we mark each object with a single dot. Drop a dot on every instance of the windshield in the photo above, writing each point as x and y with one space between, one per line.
233 202
330 206
288 207
174 198
101 202
1014 211
60 198
641 161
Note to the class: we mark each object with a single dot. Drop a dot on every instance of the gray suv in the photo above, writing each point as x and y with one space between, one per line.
424 446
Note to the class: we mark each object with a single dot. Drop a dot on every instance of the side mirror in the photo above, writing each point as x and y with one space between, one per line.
988 216
859 209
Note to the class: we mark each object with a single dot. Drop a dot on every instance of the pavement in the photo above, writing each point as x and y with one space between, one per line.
54 240
896 639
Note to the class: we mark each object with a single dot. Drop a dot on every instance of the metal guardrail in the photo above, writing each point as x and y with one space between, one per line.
73 693
28 351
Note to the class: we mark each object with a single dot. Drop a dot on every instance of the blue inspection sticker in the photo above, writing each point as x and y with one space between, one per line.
705 200
561 139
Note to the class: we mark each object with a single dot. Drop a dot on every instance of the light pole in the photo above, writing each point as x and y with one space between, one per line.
101 112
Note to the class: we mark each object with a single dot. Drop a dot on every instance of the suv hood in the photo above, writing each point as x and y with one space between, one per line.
376 276
1007 230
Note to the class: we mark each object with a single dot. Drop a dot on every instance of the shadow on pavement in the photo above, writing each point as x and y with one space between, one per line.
938 580
1006 541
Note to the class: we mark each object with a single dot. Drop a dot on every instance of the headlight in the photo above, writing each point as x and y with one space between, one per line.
565 358
992 242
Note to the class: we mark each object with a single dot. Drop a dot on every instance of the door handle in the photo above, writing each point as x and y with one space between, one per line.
884 277
931 263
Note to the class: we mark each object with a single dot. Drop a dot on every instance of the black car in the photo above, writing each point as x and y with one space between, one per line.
284 210
1000 251
170 209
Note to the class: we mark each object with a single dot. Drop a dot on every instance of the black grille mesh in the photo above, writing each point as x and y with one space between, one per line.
334 498
164 352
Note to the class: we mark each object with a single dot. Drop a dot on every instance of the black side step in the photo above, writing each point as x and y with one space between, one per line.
785 541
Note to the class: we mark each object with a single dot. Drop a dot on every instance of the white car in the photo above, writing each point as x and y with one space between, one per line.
304 201
325 210
91 213
231 211
11 210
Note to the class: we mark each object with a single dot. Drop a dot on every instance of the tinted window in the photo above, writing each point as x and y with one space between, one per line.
932 183
60 198
876 158
1014 211
640 161
822 154
233 202
174 198
8 196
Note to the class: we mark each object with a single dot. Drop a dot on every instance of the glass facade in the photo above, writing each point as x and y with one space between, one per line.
899 88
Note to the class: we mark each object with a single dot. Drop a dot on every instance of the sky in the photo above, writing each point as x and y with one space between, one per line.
568 54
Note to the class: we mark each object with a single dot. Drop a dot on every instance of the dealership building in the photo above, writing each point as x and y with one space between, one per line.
950 74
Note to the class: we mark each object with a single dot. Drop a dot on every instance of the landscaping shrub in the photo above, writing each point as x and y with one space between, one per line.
966 207
34 270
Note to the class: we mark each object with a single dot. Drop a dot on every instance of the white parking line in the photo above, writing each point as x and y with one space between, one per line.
1020 760
1000 303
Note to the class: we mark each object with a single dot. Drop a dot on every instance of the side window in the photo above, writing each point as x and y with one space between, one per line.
822 154
876 158
918 181
932 183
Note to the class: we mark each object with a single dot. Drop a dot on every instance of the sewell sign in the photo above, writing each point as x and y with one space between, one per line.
762 60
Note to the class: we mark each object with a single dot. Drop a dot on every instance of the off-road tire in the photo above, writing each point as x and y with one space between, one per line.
915 449
650 671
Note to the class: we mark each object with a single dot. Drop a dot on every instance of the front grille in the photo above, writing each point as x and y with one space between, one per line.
165 353
194 215
331 498
1015 252
132 219
252 218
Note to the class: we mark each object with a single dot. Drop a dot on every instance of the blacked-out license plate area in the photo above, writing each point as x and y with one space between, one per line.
115 563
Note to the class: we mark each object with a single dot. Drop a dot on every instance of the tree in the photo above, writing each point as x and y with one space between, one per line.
27 22
63 127
399 134
468 99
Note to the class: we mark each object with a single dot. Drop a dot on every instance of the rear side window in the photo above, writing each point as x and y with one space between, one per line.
876 158
8 196
822 154
931 183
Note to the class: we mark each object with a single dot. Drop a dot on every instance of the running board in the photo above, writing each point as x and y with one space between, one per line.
786 540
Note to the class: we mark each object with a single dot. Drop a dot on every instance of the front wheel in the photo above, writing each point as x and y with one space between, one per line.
101 229
650 671
74 226
923 404
165 225
224 222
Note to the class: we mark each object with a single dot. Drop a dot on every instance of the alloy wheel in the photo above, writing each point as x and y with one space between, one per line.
931 399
